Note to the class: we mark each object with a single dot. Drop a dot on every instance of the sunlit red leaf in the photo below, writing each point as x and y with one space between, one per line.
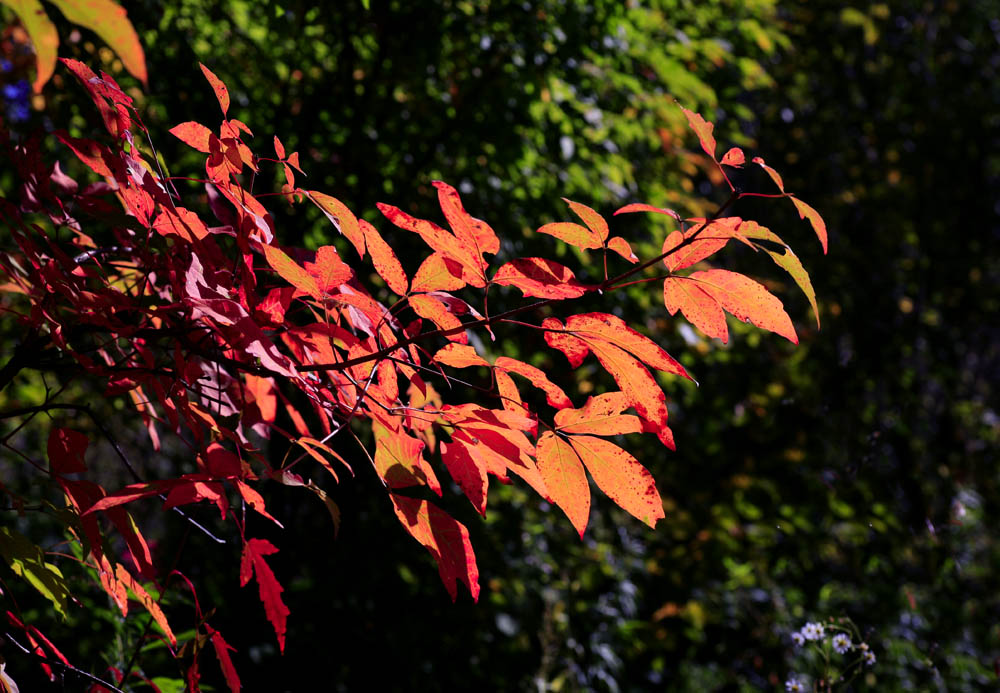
734 157
386 263
621 477
222 649
342 217
622 247
775 176
437 312
180 222
329 270
438 273
467 471
703 129
594 221
440 241
221 92
747 300
554 394
565 479
698 306
810 214
641 207
592 327
601 415
93 154
279 148
698 242
445 538
459 356
399 460
472 232
574 234
194 135
557 338
540 278
252 563
291 271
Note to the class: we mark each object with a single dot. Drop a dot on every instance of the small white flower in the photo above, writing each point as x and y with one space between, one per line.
812 631
794 685
841 643
798 638
869 658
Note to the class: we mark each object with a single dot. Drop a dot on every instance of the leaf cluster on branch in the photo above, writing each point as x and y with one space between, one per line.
222 337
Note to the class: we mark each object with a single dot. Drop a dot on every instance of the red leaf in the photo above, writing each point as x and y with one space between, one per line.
437 312
459 356
291 272
540 278
734 157
438 273
343 218
621 246
386 263
93 154
574 234
641 207
180 222
279 148
221 93
440 241
255 500
621 477
775 176
146 600
697 305
614 330
399 460
225 662
467 471
601 415
704 131
594 221
747 300
445 538
554 394
253 562
194 135
66 450
819 226
472 232
702 242
557 338
565 479
329 270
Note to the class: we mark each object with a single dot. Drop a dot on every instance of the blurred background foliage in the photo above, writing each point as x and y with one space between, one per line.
854 475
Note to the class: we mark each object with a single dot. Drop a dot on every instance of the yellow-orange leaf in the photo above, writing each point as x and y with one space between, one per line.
614 330
601 415
594 221
747 300
697 305
459 356
621 477
703 129
386 263
565 478
399 460
342 217
819 226
437 312
438 273
554 394
109 21
290 271
574 234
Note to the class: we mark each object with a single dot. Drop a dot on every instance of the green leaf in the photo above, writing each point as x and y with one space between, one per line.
28 561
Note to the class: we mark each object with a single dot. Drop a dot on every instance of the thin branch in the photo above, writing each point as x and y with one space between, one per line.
61 664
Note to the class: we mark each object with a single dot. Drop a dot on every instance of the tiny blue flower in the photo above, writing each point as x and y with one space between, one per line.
18 112
812 631
798 638
18 91
841 643
869 658
794 685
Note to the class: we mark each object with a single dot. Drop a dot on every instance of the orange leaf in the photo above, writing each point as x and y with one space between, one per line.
734 157
703 241
633 379
459 356
328 270
438 273
125 578
574 234
109 20
775 176
445 538
621 246
540 278
399 460
641 207
221 92
703 129
342 217
747 300
180 222
437 312
819 226
554 394
386 263
614 330
594 221
621 477
601 415
290 271
193 135
510 398
467 471
472 232
697 305
786 259
440 241
557 338
565 479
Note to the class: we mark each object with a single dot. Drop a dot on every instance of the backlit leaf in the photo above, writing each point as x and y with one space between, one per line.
194 135
438 273
775 176
698 306
574 234
747 300
147 601
565 478
399 460
110 22
601 415
459 356
342 217
467 472
252 563
734 157
472 232
641 207
28 562
329 270
437 312
807 212
621 477
44 37
621 246
703 129
291 271
540 278
557 338
554 394
384 259
785 259
594 221
221 92
612 329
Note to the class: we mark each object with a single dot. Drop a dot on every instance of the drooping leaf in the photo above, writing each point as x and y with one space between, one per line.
110 22
28 562
565 479
253 562
594 221
601 415
775 176
786 259
810 214
386 263
703 129
147 601
221 92
700 308
445 538
467 471
747 300
540 278
342 217
222 649
574 234
621 477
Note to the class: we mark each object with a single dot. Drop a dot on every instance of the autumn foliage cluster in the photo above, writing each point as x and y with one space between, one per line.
178 294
